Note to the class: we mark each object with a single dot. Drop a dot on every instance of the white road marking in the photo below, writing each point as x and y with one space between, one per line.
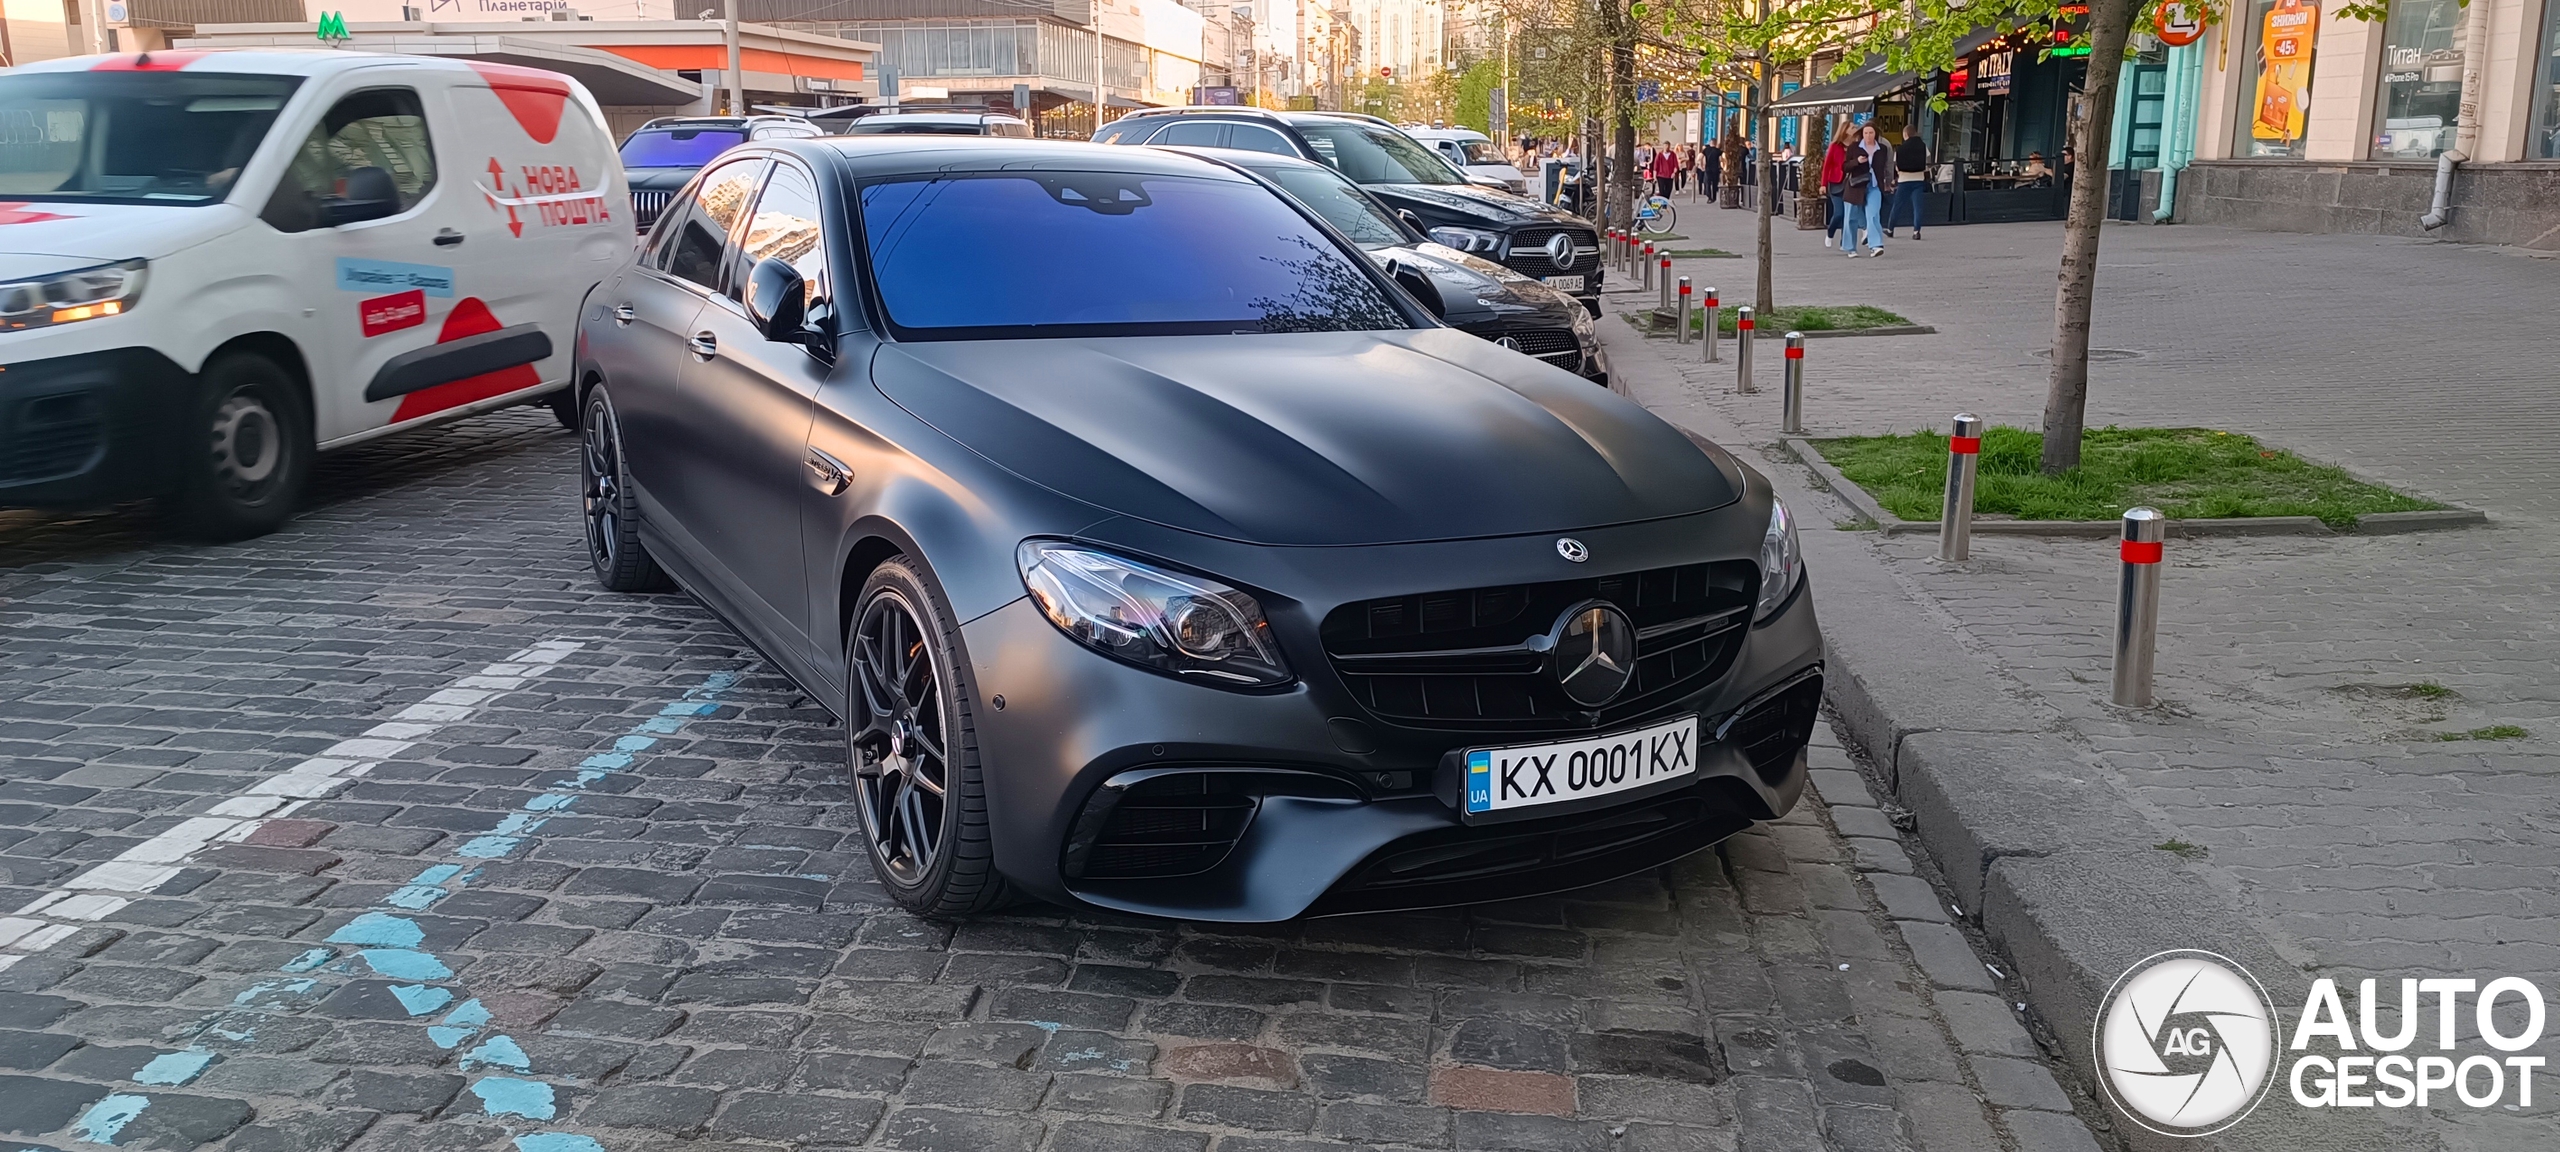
56 915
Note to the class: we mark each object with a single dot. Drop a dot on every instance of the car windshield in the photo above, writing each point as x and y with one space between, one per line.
894 126
679 147
132 137
1038 254
1373 155
1480 152
1342 205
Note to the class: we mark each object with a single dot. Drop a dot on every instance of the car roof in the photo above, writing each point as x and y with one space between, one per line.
868 156
1446 134
271 62
941 117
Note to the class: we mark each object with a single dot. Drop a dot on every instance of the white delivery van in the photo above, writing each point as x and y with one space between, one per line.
214 264
1473 153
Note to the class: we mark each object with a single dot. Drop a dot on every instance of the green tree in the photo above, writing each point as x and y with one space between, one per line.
1473 106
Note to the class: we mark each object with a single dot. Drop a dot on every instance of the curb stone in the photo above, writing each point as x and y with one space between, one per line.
2368 524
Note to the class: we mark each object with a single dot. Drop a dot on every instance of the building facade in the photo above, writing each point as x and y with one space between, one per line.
2306 121
1045 51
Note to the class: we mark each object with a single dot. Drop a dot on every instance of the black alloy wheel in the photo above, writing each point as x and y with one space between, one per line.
912 748
607 505
248 454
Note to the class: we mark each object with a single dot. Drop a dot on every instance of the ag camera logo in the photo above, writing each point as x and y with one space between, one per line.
2186 1043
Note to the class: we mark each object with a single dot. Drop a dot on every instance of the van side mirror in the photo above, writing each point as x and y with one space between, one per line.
778 301
1418 282
364 194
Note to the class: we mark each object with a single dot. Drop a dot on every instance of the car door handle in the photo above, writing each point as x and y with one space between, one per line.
447 238
828 474
624 314
704 345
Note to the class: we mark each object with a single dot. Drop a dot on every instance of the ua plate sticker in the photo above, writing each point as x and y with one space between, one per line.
392 313
1499 779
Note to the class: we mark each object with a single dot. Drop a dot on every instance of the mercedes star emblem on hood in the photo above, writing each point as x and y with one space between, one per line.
1571 549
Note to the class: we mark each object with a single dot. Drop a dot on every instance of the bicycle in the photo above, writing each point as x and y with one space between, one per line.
1655 216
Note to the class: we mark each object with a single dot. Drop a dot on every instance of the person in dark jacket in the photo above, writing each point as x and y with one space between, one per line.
1910 182
1862 185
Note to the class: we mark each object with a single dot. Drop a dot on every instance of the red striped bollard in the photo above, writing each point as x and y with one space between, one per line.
1665 279
1955 521
1680 331
1715 317
2137 604
1645 274
1743 324
1791 410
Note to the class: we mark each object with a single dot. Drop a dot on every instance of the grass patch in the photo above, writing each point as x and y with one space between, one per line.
2182 850
2492 732
1705 253
1807 318
2430 690
2188 473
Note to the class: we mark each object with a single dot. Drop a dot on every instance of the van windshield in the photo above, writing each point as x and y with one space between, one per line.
132 137
678 147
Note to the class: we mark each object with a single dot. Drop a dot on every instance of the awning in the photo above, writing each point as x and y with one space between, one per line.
1848 95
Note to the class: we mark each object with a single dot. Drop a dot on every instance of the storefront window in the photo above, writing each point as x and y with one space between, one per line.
2545 144
2275 104
2421 88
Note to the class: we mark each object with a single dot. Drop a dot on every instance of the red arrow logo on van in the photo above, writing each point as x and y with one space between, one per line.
20 212
498 176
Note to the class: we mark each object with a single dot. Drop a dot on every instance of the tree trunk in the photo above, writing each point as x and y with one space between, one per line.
1765 299
2066 402
1622 113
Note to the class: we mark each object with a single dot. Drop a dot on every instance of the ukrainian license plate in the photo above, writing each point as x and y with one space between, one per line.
1564 283
1536 775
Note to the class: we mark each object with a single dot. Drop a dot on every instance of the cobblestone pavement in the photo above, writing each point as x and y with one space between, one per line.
2315 689
390 832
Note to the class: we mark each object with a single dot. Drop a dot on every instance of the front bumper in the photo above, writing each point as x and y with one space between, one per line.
90 428
1348 811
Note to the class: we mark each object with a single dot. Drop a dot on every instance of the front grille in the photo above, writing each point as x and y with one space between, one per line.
1556 346
1529 252
646 205
1175 825
1463 658
49 437
1771 731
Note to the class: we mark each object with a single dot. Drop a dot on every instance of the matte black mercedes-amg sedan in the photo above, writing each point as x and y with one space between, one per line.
1162 554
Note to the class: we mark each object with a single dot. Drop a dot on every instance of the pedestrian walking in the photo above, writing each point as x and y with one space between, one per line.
1834 170
1910 182
1869 164
1666 170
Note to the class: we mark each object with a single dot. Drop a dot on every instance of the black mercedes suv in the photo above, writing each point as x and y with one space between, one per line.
1530 238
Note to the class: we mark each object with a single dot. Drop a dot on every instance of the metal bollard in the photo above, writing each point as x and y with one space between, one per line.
1665 278
1646 276
1743 324
1955 520
1680 334
1792 410
1715 317
1618 250
2138 604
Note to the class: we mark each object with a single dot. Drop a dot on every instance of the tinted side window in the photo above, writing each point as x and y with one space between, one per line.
787 226
1121 132
717 201
383 128
1198 133
1256 138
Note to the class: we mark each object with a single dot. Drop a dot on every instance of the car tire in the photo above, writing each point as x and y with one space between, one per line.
564 407
246 451
911 750
608 508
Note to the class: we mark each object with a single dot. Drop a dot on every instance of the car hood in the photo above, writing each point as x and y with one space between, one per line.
1333 438
1474 290
1472 202
40 237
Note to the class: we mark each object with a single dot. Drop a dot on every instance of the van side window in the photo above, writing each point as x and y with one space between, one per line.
723 193
787 225
1122 132
1256 138
383 128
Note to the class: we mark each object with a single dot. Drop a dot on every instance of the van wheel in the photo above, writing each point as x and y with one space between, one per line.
247 451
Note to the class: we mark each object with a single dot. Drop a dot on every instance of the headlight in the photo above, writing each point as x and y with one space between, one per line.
1467 239
70 297
1781 560
1582 325
1181 625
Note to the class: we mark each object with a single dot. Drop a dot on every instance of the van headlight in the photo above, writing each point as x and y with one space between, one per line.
1171 622
70 297
1781 560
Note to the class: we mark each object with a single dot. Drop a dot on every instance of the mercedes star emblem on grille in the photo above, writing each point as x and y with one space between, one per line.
1595 653
1560 249
1570 548
1509 343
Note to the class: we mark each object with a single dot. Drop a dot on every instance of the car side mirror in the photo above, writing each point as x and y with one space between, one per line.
1411 220
778 301
364 194
1416 281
